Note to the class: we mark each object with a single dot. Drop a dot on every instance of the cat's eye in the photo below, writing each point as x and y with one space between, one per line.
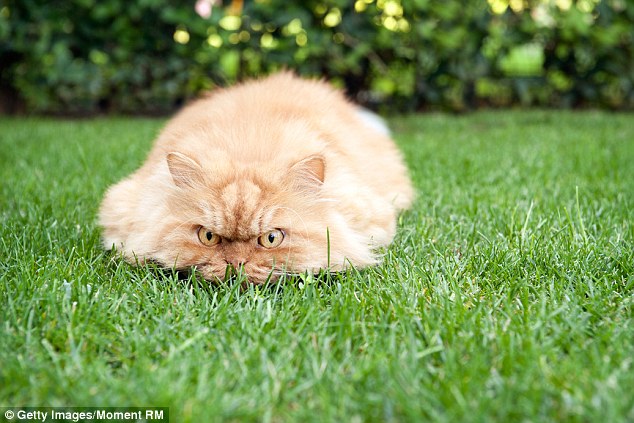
271 239
207 237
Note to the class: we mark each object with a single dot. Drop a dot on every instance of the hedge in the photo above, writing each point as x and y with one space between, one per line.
149 56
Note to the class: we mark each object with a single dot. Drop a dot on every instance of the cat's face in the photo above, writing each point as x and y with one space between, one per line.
255 220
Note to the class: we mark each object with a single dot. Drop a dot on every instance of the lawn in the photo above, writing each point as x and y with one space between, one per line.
508 294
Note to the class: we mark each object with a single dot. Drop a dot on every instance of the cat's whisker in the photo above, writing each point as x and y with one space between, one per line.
325 200
296 213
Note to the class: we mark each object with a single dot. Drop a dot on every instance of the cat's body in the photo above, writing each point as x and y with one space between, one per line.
280 173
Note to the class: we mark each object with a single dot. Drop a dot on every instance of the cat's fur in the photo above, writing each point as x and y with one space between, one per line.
276 153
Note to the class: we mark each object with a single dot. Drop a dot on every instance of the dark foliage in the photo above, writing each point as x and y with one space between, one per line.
149 56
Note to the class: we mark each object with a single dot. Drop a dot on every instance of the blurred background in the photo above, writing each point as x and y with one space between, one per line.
85 57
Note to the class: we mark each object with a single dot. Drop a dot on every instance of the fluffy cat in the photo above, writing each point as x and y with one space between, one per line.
277 175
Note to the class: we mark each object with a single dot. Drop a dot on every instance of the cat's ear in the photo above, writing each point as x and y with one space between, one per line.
309 172
186 172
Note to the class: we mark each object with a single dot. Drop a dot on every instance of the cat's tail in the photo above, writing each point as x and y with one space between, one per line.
373 121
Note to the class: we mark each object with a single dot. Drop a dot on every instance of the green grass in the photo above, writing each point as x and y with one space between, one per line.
507 295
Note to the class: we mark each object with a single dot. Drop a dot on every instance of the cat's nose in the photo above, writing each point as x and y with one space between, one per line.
236 262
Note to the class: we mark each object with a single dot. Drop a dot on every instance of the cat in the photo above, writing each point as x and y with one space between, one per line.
279 175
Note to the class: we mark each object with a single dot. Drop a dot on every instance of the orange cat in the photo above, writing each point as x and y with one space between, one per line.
278 175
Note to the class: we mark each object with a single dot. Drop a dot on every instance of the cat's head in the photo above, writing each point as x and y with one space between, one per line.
264 218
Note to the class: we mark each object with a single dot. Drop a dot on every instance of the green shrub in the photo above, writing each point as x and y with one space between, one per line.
148 56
